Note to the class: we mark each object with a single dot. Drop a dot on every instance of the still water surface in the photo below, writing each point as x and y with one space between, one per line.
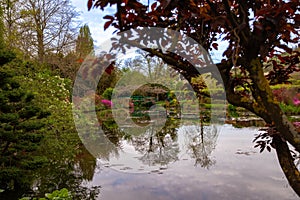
222 165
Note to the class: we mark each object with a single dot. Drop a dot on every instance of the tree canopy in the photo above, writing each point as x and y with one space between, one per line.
84 42
256 31
39 27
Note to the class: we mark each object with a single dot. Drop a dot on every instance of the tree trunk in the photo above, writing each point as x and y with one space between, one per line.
41 48
266 102
287 163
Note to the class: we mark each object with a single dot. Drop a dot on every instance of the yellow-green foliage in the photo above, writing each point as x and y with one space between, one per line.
290 109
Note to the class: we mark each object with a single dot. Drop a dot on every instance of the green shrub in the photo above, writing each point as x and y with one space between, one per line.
62 194
107 93
290 109
232 111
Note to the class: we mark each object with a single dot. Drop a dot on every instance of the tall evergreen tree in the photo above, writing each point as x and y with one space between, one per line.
20 121
84 42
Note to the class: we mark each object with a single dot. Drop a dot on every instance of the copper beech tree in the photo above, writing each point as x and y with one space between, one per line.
256 32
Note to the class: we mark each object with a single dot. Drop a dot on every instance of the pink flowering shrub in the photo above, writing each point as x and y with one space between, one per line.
296 101
107 103
282 95
296 124
287 96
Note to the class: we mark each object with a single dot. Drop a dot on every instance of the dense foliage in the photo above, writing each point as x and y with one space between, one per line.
20 132
35 153
39 146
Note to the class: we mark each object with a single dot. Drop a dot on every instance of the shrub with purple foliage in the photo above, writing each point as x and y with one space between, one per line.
287 96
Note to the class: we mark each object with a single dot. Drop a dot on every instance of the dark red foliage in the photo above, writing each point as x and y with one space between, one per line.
282 67
110 69
282 95
264 29
269 30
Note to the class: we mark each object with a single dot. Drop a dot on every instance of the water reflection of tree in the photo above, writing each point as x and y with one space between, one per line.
112 131
68 172
162 147
201 141
158 147
105 142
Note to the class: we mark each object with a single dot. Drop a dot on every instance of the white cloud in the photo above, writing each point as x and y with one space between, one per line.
94 19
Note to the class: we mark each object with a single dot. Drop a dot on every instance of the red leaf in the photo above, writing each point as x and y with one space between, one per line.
280 58
109 69
80 60
108 17
125 1
107 24
215 46
286 48
137 5
153 6
131 17
262 148
90 4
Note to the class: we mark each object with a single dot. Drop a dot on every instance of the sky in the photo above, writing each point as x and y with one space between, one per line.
94 19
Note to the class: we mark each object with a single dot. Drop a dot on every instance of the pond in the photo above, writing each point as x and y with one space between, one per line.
179 161
222 163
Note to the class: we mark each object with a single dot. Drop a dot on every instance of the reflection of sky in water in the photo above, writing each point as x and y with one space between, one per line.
240 172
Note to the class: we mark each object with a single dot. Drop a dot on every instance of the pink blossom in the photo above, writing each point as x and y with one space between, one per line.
296 124
296 101
131 107
107 103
